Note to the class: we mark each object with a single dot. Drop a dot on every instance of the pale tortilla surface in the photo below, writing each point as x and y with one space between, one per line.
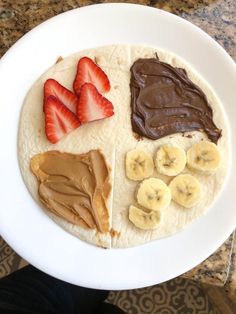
115 138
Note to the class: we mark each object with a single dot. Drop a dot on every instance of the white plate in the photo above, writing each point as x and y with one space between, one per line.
23 224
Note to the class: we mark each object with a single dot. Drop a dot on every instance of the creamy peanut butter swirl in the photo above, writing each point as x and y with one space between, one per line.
74 187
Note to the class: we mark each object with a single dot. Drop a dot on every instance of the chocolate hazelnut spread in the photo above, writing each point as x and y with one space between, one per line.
165 101
74 187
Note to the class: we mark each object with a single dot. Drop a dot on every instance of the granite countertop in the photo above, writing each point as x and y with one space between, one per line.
216 17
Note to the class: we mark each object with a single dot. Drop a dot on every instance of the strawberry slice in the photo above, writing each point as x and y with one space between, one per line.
90 72
92 105
59 120
53 88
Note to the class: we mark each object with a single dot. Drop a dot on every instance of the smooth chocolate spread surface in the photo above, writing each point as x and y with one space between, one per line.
74 187
165 101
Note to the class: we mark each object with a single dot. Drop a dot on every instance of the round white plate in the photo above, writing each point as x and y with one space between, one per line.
24 225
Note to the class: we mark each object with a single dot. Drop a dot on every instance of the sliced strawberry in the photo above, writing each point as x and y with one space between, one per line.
92 105
53 88
90 72
58 119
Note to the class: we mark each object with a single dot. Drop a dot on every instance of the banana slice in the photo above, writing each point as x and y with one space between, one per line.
204 157
144 220
139 165
153 194
186 190
170 160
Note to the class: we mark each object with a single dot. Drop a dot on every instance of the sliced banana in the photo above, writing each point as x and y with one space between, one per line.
144 220
204 157
139 165
153 194
186 190
170 160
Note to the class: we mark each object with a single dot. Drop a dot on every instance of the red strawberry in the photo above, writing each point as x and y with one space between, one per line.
53 88
58 119
90 72
92 105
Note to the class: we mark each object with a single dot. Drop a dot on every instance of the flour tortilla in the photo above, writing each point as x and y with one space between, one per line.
115 138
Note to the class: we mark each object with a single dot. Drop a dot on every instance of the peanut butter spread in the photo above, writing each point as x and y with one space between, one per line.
74 187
